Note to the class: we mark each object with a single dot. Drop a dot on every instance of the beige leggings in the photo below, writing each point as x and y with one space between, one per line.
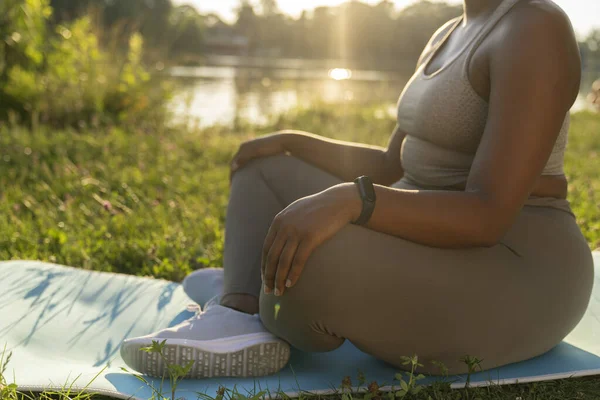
391 297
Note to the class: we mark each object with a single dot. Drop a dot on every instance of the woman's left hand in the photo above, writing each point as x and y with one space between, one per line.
300 228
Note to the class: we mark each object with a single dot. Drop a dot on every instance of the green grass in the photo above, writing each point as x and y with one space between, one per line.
154 204
582 162
128 201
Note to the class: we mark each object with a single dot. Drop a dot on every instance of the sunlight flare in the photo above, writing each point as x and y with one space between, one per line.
340 74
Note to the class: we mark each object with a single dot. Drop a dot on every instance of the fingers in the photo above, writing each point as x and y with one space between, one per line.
286 249
284 264
269 239
271 261
303 252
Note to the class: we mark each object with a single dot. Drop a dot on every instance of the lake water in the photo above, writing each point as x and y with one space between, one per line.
220 94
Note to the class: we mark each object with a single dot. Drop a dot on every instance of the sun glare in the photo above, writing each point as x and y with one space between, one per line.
340 74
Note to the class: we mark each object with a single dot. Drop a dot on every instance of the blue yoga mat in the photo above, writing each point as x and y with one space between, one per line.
64 326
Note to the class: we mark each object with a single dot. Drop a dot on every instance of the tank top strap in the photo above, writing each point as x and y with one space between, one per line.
490 24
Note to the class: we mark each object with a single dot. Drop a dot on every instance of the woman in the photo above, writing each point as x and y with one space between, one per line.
464 244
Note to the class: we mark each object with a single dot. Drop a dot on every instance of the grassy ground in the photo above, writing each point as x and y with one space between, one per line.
154 204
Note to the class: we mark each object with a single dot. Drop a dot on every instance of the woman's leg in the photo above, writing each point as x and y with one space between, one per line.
259 192
393 298
222 341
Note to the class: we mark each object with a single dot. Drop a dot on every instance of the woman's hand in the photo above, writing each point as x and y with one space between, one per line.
263 146
299 229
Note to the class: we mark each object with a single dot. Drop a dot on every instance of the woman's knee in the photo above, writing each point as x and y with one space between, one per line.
301 318
276 162
295 328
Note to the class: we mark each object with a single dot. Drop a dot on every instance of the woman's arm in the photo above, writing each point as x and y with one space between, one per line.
534 77
534 80
348 160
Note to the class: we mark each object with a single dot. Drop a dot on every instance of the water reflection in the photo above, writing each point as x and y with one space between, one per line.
220 95
210 95
340 74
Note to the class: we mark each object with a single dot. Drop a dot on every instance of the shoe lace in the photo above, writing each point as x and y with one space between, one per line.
215 300
193 307
196 308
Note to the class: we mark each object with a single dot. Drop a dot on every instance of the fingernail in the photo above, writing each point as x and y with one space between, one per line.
277 292
288 283
268 290
234 166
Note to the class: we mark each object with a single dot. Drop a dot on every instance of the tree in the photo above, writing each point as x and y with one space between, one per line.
592 43
24 34
268 7
416 24
150 17
185 31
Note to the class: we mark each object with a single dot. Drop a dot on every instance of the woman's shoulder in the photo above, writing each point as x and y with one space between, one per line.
538 17
536 28
546 8
536 41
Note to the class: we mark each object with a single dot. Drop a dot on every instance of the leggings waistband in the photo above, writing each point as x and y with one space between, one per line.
552 202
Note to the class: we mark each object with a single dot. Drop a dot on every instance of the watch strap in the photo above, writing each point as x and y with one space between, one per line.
366 191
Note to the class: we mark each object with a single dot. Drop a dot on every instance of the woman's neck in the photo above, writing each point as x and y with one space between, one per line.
477 8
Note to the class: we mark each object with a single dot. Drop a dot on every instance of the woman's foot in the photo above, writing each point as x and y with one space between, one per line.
203 284
221 342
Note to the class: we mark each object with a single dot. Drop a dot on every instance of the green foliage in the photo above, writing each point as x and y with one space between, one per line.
148 17
175 372
473 364
22 33
9 391
582 388
410 385
594 96
111 200
185 33
410 389
581 168
125 201
65 78
168 30
370 35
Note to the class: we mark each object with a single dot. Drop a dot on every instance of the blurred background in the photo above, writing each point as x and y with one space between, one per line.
265 57
228 60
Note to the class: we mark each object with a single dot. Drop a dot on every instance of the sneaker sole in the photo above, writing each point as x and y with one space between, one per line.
243 356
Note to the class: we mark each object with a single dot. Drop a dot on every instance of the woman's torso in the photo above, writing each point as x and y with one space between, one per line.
443 111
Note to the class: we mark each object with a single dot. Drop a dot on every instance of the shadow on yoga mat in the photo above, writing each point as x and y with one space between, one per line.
64 326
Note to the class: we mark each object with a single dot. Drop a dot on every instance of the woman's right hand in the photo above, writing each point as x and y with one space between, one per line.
263 146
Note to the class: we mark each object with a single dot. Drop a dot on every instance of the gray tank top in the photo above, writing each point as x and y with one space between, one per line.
445 118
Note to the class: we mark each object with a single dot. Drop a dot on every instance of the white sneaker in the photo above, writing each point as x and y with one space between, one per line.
221 341
203 284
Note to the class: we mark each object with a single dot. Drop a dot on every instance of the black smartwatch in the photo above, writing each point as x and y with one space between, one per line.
367 195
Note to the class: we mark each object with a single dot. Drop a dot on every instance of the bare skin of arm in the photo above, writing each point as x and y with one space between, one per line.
530 95
348 160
